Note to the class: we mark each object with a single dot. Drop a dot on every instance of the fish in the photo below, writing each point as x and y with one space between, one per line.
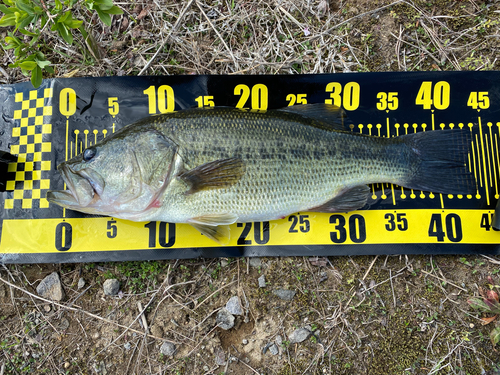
216 166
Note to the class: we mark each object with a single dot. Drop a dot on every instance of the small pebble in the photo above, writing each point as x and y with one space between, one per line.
255 262
278 340
205 368
81 283
299 335
127 346
63 324
224 319
95 336
224 263
234 306
51 287
273 349
66 364
47 308
323 276
244 342
262 281
168 349
111 287
284 294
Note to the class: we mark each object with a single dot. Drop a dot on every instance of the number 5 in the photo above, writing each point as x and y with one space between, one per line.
113 106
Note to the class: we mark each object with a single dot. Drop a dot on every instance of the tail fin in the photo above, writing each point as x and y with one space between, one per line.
439 162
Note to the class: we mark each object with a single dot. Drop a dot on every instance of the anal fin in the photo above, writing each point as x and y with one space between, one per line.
218 233
215 226
351 199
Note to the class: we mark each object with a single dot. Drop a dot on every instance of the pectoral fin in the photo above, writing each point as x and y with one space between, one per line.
214 175
349 200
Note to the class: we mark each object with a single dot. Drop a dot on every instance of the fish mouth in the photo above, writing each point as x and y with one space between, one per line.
81 190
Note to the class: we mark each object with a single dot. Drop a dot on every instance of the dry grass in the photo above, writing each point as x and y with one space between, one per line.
371 315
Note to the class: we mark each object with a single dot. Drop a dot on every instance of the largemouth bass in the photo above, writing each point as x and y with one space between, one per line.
214 167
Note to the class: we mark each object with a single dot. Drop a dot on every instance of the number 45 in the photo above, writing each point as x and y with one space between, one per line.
479 100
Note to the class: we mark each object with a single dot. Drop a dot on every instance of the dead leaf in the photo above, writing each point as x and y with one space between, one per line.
144 13
71 74
320 262
495 336
124 25
482 292
485 321
492 295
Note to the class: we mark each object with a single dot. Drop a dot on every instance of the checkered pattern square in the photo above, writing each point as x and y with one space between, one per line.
28 180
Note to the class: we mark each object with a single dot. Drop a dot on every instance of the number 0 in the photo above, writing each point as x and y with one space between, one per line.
67 102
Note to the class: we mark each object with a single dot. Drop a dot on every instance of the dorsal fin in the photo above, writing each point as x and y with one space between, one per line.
327 116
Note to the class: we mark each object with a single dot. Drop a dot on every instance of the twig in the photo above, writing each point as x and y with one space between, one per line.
220 36
143 317
494 261
176 25
364 277
392 287
291 17
443 280
250 367
361 15
79 310
370 267
218 290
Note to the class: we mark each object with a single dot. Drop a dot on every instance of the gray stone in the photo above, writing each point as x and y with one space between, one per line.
101 368
224 263
127 346
273 349
244 342
224 319
278 340
111 287
284 294
262 281
63 324
299 335
255 262
81 283
234 306
51 287
220 356
168 349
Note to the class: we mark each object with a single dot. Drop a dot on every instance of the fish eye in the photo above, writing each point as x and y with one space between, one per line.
89 154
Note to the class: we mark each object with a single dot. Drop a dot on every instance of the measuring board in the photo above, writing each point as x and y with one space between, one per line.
46 126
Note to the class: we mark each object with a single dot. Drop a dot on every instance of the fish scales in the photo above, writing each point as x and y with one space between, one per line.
291 166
